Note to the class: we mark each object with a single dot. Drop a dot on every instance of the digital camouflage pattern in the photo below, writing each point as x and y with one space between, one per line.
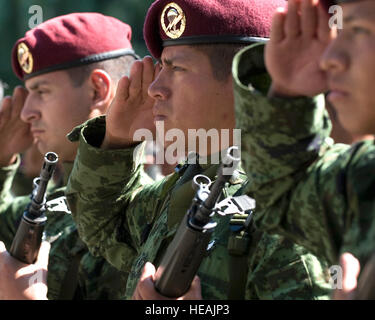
117 217
314 192
97 279
22 185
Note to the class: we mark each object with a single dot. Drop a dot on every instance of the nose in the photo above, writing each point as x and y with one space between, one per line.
158 89
335 58
29 111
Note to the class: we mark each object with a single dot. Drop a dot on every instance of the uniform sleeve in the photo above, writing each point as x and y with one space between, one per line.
6 179
280 137
282 270
11 209
280 140
104 195
306 187
360 186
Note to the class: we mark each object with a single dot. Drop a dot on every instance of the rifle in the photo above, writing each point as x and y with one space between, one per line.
191 242
26 244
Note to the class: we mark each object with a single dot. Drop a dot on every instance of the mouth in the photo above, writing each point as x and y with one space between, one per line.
36 132
159 118
336 93
158 112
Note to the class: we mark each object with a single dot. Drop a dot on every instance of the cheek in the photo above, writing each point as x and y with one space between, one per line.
363 66
364 86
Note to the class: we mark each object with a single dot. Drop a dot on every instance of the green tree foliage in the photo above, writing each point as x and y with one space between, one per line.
15 16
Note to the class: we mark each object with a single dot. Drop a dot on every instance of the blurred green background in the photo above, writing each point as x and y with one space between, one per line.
15 16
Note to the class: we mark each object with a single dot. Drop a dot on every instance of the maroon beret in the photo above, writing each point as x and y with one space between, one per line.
69 41
186 22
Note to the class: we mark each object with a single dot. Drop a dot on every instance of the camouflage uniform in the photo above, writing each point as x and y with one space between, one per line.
96 279
117 218
318 194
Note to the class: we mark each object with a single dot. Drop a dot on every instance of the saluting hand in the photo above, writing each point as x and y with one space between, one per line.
299 36
15 135
131 108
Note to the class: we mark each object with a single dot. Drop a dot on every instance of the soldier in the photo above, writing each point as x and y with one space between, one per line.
71 67
192 90
319 194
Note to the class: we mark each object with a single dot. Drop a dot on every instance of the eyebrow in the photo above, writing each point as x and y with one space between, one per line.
362 16
177 58
37 84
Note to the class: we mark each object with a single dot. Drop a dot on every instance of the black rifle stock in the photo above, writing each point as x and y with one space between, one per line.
189 246
26 244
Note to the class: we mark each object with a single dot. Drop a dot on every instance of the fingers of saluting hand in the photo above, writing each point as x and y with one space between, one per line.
141 76
302 18
147 76
309 18
292 28
122 93
5 110
18 100
135 77
324 32
11 107
277 29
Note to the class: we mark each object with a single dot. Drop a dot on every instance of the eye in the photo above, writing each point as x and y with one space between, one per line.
178 68
42 91
360 30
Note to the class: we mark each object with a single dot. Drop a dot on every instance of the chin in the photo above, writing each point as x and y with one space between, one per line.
357 128
41 147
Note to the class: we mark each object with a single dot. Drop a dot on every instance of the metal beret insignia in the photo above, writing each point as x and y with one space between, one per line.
25 58
173 20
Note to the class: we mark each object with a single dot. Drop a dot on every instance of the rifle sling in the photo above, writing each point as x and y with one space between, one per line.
239 244
69 285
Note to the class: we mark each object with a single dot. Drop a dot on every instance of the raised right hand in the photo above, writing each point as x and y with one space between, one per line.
131 109
299 36
15 135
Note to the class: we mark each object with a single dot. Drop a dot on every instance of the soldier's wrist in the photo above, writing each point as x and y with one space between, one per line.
7 161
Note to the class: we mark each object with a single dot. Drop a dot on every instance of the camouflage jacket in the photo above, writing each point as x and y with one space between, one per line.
97 279
116 217
316 193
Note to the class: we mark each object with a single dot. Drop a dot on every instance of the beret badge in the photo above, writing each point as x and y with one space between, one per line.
25 58
173 20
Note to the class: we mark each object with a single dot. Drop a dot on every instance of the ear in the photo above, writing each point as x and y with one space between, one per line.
102 91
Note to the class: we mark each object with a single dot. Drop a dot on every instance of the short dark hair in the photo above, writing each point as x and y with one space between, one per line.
116 68
221 57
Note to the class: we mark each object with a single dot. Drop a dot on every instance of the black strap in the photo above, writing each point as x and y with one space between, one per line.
69 285
238 249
